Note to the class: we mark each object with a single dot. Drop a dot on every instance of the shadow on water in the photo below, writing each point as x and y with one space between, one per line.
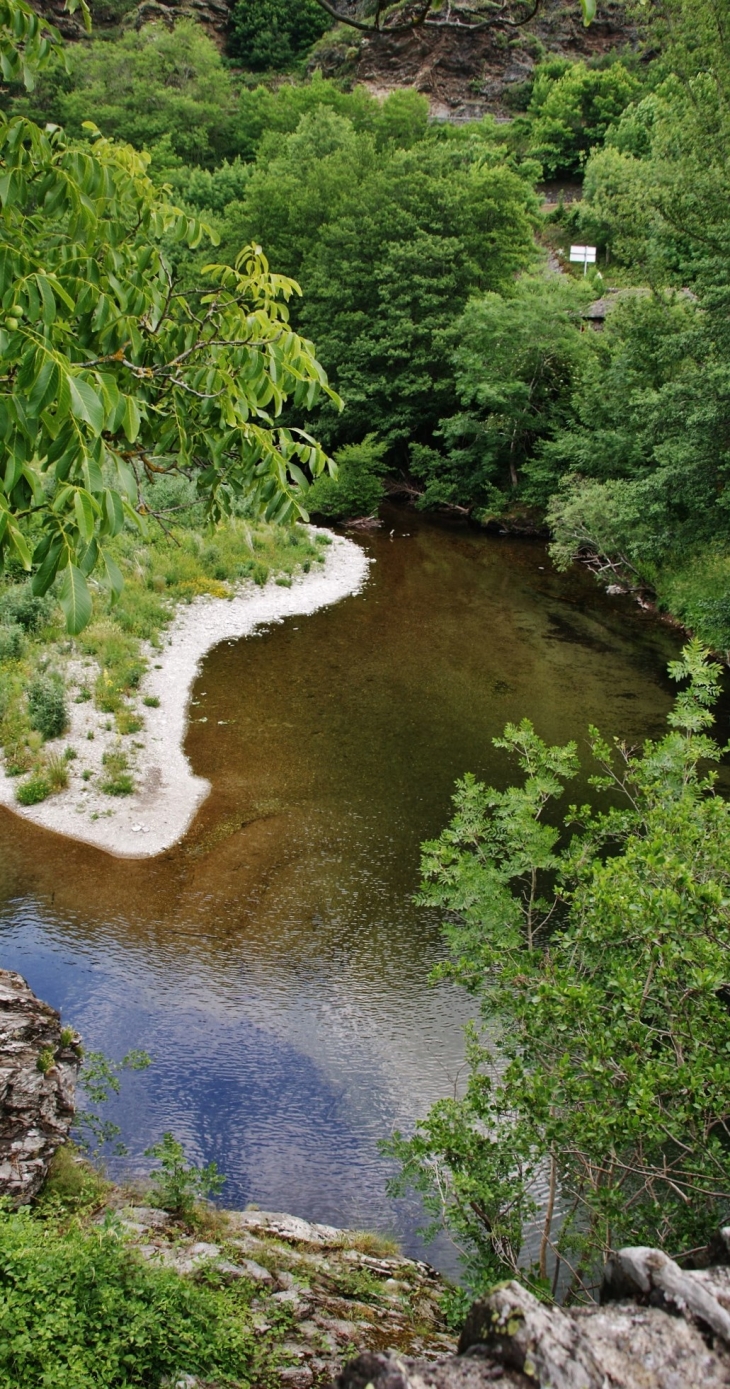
273 962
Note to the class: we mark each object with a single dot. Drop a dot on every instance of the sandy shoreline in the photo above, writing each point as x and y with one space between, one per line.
168 794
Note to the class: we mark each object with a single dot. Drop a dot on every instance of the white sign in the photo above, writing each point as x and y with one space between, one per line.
583 255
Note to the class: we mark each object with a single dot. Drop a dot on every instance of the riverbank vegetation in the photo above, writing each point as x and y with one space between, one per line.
596 1107
42 669
420 248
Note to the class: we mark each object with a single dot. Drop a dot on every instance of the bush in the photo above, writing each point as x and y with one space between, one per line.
269 35
47 705
357 490
76 1309
36 788
176 1184
11 641
19 605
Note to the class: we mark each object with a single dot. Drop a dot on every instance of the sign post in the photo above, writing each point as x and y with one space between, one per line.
583 255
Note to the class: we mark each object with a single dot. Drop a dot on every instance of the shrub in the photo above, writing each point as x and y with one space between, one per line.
357 490
177 1184
11 641
77 1309
36 788
47 705
19 605
269 35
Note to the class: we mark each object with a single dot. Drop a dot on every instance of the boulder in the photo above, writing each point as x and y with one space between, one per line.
39 1066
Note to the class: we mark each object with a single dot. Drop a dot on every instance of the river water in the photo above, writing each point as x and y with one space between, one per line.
274 963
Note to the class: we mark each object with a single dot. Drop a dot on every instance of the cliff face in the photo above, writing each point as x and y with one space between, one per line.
39 1065
464 74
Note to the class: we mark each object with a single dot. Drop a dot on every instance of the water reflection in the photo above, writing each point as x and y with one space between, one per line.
274 963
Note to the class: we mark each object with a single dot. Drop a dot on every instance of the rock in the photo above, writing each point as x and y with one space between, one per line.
147 1217
288 1227
511 1339
39 1066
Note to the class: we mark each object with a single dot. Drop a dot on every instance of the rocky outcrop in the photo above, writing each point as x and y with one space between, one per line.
659 1327
342 1292
39 1064
466 74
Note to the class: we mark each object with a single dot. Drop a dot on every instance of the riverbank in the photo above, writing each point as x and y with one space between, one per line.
166 794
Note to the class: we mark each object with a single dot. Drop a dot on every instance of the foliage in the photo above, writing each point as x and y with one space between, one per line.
270 35
150 84
76 1308
177 1184
358 489
600 969
100 1079
116 778
111 371
515 367
400 120
388 243
47 705
571 108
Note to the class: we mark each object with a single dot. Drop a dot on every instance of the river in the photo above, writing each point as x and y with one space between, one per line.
273 963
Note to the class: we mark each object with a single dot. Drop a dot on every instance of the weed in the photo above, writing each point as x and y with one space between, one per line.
35 789
284 583
11 642
72 1184
19 605
129 721
70 754
86 774
56 772
83 696
151 701
118 780
90 735
66 1037
46 1061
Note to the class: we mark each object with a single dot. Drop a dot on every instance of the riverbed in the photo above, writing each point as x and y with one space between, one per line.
273 962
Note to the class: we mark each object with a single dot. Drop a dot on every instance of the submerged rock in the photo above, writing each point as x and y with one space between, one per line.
39 1066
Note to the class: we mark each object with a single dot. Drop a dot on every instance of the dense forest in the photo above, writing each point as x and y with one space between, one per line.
437 291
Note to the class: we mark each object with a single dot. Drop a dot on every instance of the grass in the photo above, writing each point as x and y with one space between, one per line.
161 570
696 592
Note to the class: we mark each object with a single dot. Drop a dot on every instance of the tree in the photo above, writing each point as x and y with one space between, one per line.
358 488
270 35
150 85
597 1103
112 370
515 364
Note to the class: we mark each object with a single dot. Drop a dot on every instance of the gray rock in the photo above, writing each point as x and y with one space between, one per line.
37 1087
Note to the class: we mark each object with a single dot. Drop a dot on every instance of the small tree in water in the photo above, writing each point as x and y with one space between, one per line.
597 1103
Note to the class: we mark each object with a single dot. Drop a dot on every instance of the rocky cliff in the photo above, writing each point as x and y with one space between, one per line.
39 1064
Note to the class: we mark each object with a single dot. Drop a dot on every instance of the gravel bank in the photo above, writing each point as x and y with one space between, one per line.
167 792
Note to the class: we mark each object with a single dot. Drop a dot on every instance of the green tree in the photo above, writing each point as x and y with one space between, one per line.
357 490
149 85
515 366
598 1095
571 108
110 371
271 35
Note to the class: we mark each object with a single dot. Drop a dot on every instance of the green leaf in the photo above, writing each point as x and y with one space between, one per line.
131 420
589 10
75 600
86 404
84 510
